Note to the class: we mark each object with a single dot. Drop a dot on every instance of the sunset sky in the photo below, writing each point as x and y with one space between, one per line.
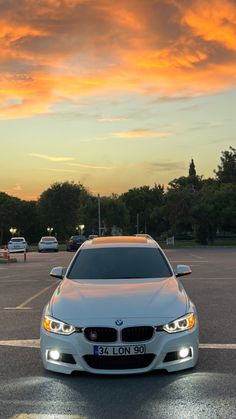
114 93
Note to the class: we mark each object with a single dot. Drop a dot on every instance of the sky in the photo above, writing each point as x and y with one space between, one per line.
114 94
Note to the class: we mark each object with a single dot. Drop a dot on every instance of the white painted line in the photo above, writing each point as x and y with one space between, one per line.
35 296
45 416
34 343
27 343
198 257
17 308
217 345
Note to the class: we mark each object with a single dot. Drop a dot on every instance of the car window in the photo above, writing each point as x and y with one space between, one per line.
17 240
48 239
115 262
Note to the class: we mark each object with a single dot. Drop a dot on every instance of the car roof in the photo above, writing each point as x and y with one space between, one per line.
18 238
119 241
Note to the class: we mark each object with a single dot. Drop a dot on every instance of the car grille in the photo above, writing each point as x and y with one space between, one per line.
101 334
119 362
128 334
137 334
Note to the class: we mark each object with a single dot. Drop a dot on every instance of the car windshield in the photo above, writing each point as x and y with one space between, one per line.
17 240
48 239
119 262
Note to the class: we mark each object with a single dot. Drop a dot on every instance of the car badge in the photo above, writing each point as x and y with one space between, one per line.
119 322
93 335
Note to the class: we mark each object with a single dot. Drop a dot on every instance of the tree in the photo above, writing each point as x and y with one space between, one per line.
206 214
140 203
19 214
113 213
59 207
192 170
177 210
192 181
226 172
226 207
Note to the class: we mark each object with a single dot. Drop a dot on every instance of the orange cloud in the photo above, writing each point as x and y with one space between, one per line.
213 21
51 158
61 50
141 133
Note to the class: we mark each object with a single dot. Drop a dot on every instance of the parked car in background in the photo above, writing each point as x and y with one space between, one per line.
47 244
92 236
18 244
120 309
74 243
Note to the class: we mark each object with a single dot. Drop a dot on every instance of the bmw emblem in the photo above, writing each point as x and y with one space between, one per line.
93 335
119 322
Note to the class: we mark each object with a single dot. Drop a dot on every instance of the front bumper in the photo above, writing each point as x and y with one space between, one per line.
78 350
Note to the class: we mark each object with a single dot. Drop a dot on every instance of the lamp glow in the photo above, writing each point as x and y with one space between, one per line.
184 352
54 355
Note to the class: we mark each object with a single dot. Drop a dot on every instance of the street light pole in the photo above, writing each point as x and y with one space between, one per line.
81 226
137 223
99 216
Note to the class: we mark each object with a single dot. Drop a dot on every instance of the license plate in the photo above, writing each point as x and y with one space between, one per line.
100 350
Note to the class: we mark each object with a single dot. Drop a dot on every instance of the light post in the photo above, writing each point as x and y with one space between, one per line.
137 225
13 231
50 230
81 226
99 216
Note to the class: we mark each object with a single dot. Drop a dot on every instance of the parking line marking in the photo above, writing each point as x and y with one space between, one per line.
47 416
34 343
17 308
27 343
32 298
217 345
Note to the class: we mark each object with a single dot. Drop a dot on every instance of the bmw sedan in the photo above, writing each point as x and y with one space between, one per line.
119 309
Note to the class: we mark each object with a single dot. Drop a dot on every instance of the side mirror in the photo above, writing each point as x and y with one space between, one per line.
183 270
57 272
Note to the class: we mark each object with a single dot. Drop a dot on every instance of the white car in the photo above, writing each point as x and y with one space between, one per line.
120 309
48 243
17 244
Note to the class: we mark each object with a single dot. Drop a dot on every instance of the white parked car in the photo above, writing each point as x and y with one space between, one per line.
120 309
48 243
17 244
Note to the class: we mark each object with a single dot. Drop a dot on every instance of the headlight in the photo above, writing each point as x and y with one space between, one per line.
55 326
184 323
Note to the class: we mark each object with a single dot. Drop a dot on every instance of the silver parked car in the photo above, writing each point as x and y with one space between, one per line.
120 309
47 244
18 244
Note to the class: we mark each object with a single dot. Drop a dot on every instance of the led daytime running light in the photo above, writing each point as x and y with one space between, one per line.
184 323
55 326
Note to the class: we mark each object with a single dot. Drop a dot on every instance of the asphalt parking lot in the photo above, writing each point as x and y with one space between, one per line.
208 391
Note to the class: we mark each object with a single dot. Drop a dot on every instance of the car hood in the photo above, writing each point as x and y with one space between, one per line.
80 302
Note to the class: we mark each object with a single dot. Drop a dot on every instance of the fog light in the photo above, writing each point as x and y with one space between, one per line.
54 355
184 352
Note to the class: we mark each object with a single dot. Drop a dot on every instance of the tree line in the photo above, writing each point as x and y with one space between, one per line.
190 207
